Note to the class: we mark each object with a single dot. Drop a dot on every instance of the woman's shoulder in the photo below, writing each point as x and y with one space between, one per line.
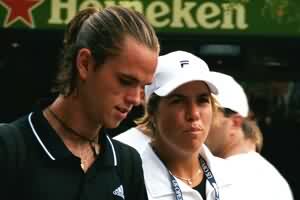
126 153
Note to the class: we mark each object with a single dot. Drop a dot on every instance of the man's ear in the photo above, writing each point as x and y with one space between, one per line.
235 124
84 63
237 120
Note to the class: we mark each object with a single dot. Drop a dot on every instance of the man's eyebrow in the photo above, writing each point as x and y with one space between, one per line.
129 77
133 79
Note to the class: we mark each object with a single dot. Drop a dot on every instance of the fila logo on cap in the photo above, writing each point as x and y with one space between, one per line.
183 62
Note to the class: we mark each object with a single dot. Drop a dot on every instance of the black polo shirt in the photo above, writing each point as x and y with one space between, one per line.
51 171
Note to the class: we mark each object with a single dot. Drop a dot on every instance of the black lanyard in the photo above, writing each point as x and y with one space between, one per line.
208 175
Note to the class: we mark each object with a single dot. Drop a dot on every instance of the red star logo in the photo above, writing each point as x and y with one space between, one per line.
20 10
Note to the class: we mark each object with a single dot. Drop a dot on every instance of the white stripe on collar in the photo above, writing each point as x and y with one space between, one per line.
38 138
113 150
52 157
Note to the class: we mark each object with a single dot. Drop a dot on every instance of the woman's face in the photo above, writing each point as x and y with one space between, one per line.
183 118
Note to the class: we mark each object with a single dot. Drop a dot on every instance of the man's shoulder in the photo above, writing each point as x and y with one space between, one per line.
254 167
14 128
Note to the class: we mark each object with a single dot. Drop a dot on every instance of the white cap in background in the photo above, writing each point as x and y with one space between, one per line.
231 94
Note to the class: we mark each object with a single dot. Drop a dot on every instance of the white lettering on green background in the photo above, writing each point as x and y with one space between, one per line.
177 14
90 3
206 15
136 5
157 10
182 13
56 8
228 22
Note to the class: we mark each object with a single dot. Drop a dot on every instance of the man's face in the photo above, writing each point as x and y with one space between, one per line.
218 137
112 89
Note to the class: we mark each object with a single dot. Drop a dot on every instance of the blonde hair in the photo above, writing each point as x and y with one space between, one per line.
249 127
252 131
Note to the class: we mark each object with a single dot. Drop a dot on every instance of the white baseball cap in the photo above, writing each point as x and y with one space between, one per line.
175 69
231 94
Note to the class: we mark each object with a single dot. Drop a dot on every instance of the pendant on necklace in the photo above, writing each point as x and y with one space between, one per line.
95 148
189 181
82 165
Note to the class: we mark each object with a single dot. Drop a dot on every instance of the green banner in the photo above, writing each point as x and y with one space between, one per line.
224 17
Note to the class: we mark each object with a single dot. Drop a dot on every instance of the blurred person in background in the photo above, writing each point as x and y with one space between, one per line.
237 138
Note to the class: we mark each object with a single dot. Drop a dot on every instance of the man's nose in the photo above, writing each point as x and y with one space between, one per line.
134 96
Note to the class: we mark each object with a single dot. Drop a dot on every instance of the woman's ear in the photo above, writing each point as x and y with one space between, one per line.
84 62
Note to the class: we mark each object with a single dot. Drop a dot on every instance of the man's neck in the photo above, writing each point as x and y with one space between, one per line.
244 146
70 113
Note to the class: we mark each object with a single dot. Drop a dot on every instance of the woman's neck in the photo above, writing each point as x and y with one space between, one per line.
183 165
189 171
